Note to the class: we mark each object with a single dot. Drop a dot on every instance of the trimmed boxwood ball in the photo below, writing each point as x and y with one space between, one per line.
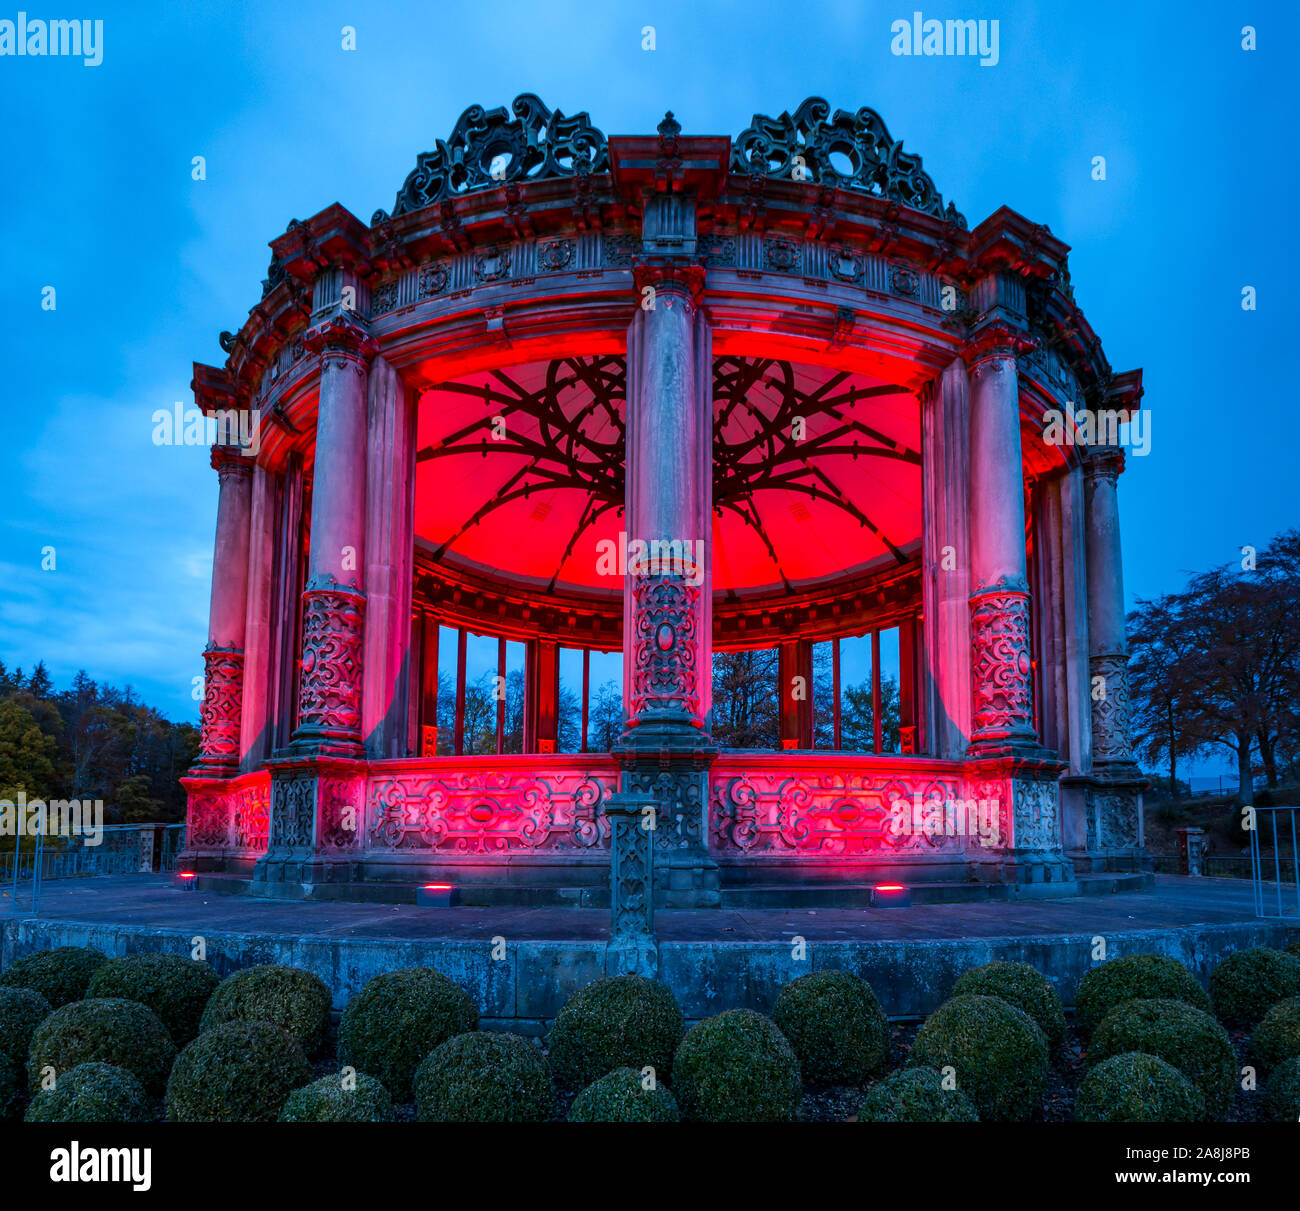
1192 1041
241 1072
1282 1093
1022 986
622 1022
60 975
621 1097
296 1001
915 1095
397 1019
92 1093
123 1033
737 1068
327 1101
1247 984
999 1052
1277 1037
484 1078
1293 948
1137 1088
1151 977
835 1025
176 988
21 1011
10 1087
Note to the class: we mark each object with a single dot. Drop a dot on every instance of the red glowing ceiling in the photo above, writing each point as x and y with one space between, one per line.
816 473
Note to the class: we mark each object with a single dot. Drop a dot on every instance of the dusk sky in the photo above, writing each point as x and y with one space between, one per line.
149 265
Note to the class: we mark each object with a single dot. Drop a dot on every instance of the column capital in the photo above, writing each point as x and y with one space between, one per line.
1104 463
996 342
231 462
670 276
344 334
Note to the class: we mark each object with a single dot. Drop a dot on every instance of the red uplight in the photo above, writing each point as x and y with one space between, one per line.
437 887
186 874
889 887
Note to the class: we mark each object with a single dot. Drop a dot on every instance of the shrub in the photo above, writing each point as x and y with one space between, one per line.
21 1011
92 1093
240 1072
737 1068
1247 984
174 987
296 1001
484 1078
59 975
327 1101
1192 1041
1277 1037
1293 947
835 1025
620 1097
1282 1092
1151 977
397 1019
915 1095
999 1053
621 1022
1022 986
122 1033
1137 1088
11 1084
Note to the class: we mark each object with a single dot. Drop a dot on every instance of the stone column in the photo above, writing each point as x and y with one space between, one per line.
1114 819
390 503
1007 765
945 479
318 782
667 611
258 712
1001 703
223 659
329 699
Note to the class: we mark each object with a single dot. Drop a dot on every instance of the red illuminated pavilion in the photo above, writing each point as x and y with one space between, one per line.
780 351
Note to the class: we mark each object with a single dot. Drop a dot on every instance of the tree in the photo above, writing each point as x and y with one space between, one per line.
605 718
745 706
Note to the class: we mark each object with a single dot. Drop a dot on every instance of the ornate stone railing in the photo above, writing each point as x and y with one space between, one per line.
512 805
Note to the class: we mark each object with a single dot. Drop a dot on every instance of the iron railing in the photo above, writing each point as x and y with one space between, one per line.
1277 875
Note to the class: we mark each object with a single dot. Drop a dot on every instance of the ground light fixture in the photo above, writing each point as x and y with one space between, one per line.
437 895
890 895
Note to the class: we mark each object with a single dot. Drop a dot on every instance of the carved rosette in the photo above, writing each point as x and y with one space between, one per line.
664 672
223 684
1110 708
329 700
1000 666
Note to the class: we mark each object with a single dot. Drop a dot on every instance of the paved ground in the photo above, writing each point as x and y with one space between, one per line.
150 901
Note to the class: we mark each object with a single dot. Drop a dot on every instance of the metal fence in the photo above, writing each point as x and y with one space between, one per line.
123 849
1213 866
1277 875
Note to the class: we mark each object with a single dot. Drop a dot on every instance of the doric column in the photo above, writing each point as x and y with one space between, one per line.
330 691
1002 707
219 747
390 504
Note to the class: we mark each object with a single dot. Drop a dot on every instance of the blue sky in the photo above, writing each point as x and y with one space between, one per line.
149 265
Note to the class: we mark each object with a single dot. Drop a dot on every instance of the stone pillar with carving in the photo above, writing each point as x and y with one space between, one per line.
666 749
318 781
1114 798
633 948
223 659
1007 765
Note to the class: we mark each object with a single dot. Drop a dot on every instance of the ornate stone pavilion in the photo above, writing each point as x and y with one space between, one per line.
780 350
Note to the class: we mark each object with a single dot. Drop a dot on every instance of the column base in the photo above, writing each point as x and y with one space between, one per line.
317 821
